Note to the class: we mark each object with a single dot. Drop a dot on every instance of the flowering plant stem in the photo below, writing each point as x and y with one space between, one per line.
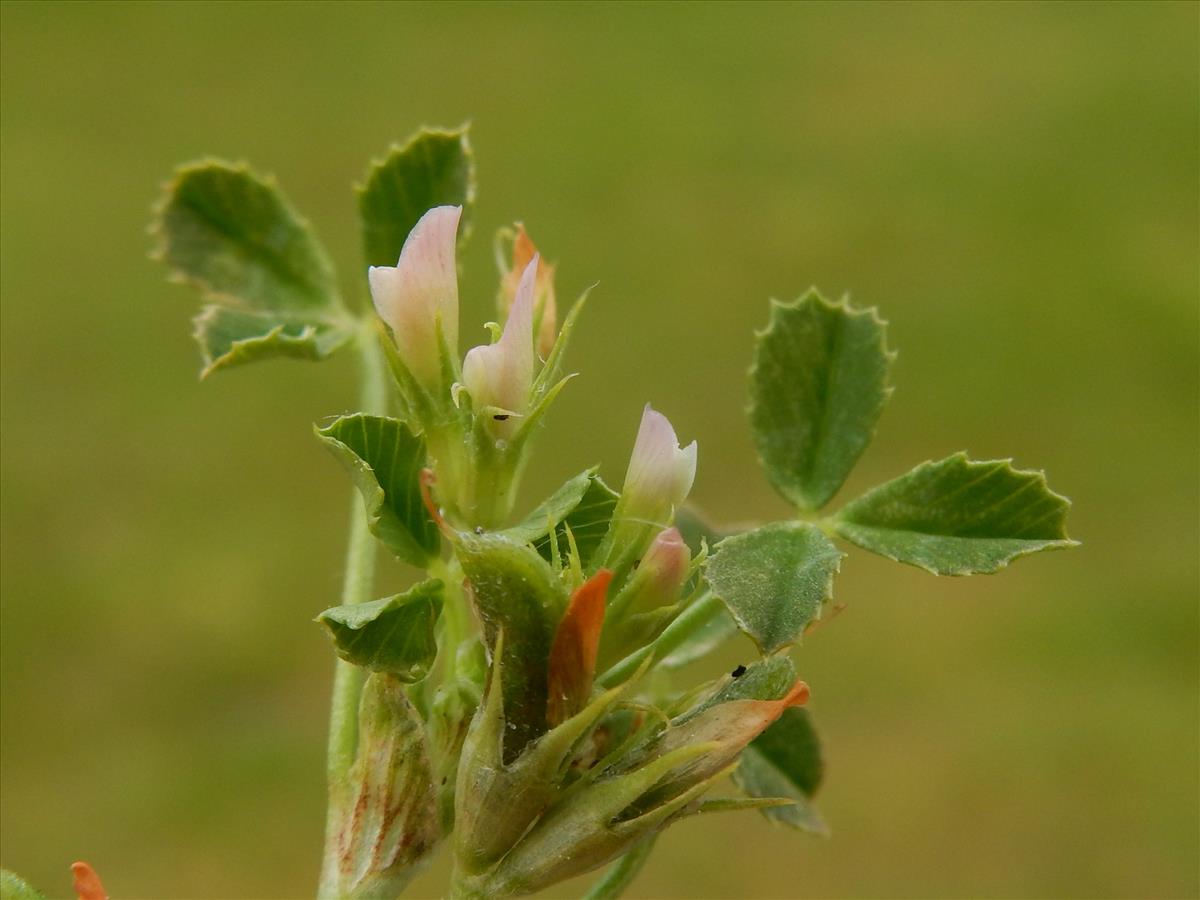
524 701
358 584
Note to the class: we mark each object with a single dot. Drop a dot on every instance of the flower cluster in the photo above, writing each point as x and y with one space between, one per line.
557 769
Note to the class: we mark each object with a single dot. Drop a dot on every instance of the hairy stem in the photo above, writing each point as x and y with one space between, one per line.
357 587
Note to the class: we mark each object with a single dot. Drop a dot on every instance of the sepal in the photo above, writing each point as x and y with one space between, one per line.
390 820
515 592
500 794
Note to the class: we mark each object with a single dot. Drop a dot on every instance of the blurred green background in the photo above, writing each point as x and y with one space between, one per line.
1014 185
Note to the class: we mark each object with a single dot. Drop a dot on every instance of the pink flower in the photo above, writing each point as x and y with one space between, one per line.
421 290
498 376
660 473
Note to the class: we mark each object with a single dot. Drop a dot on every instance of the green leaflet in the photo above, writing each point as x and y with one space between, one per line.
584 505
435 168
817 387
958 517
385 460
785 761
234 236
515 592
552 510
14 887
229 336
774 580
393 635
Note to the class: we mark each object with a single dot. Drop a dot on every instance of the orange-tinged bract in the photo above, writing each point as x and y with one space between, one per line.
545 305
87 883
576 644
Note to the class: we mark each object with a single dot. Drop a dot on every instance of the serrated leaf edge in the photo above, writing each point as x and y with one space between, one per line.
462 133
831 523
827 594
375 505
158 252
215 364
776 308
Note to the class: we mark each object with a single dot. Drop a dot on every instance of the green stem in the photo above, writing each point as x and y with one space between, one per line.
687 623
454 615
357 587
620 874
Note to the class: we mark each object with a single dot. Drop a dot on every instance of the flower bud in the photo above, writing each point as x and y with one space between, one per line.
389 817
661 573
545 312
647 602
658 479
499 376
660 473
421 291
613 806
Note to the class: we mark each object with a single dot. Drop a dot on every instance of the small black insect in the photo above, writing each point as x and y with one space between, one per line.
738 672
501 417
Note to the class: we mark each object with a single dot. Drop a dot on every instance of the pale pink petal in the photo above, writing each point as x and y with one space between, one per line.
660 474
420 287
501 374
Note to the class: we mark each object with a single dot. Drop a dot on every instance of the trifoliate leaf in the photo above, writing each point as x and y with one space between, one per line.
435 168
14 887
385 460
958 516
234 235
394 635
785 761
774 580
817 387
229 336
